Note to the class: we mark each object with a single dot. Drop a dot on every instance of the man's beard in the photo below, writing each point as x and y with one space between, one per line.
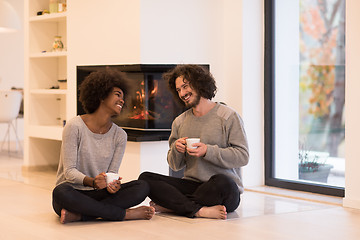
194 103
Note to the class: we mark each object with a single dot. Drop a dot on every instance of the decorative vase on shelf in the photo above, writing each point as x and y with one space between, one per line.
53 6
62 6
58 45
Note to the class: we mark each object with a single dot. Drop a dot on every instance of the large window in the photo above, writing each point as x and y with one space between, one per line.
305 95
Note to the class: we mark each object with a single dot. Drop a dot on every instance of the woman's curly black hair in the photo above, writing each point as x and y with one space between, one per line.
199 79
98 85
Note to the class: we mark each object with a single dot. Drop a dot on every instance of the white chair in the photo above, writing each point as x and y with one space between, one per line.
10 102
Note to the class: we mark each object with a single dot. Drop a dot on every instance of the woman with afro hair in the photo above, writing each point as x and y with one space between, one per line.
92 145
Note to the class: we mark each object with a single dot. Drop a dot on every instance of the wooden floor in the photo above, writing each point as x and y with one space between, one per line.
26 213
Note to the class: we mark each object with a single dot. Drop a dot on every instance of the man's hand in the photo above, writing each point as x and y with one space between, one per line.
200 151
180 145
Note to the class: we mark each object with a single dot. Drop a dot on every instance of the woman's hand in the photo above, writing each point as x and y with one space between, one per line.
180 145
114 186
100 181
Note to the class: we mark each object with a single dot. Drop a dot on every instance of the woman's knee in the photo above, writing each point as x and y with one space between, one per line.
59 192
61 189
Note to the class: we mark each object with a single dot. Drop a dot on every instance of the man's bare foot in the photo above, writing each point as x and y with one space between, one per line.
67 216
159 208
142 212
217 212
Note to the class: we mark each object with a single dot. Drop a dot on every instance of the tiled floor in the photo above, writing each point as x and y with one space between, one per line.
264 213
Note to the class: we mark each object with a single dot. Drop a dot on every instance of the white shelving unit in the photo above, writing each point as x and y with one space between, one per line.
44 105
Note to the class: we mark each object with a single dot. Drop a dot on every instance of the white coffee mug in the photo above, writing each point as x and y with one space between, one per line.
110 177
191 141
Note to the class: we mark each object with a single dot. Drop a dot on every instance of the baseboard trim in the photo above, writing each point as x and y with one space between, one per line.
351 203
300 195
39 168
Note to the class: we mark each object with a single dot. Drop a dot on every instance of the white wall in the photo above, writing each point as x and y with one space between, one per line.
12 63
232 61
252 90
144 156
184 31
352 99
101 32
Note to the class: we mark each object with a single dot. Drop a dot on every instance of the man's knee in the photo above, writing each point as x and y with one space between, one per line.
224 183
150 176
144 186
145 176
222 179
141 190
229 189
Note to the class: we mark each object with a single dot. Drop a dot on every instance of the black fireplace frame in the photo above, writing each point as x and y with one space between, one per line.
136 134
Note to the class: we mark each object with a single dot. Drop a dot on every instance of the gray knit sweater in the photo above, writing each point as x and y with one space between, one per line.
221 129
84 153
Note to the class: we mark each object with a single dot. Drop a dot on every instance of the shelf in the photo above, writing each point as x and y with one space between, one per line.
48 54
46 108
53 17
52 132
49 91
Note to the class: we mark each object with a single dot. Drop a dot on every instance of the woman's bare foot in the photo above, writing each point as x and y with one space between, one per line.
67 216
217 212
159 208
142 212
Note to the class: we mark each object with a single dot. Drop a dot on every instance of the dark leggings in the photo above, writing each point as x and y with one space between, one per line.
186 197
92 204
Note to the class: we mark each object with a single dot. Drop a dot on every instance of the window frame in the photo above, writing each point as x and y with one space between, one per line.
269 110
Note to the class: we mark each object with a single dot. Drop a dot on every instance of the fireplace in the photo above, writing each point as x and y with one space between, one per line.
150 109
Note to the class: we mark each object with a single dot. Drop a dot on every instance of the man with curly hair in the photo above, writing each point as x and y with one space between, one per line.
92 145
212 183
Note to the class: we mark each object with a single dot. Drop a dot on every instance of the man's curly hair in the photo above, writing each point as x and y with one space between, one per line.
200 80
98 85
